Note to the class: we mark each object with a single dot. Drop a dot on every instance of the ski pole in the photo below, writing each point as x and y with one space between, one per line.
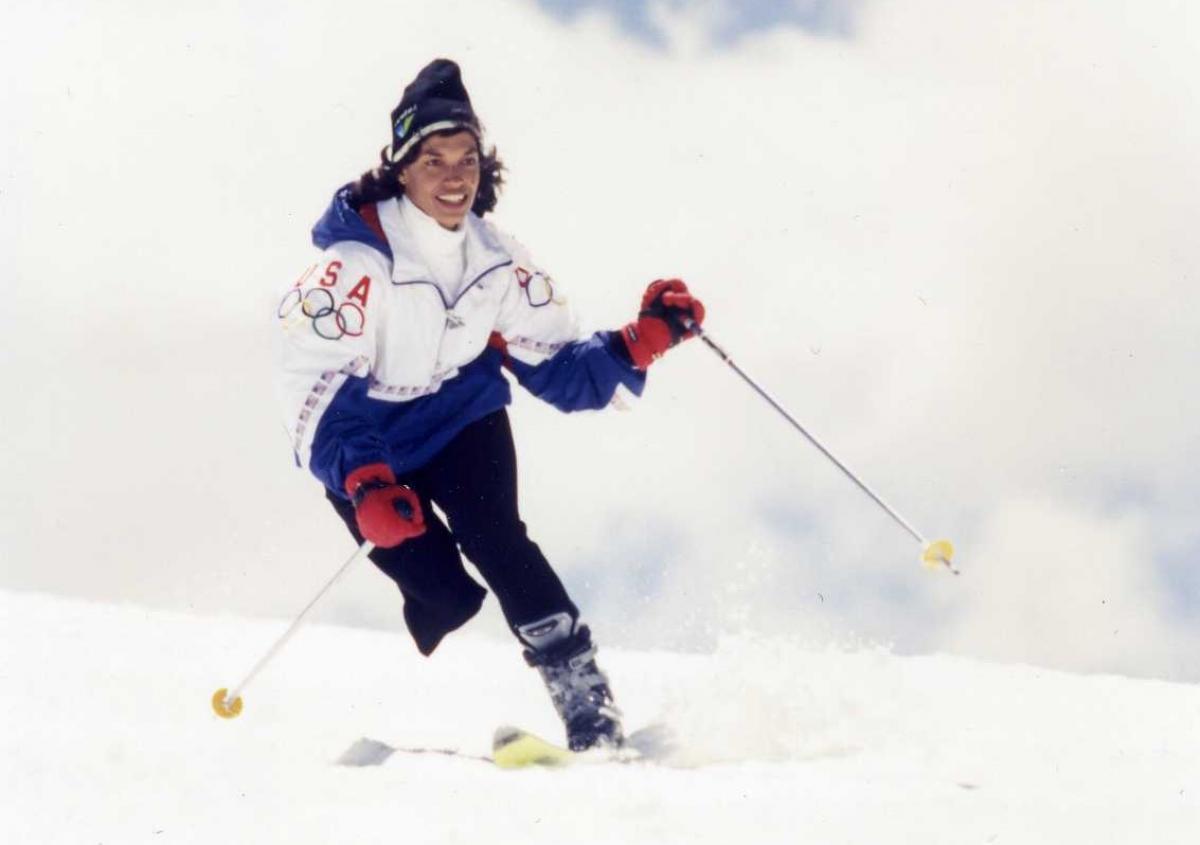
933 554
229 704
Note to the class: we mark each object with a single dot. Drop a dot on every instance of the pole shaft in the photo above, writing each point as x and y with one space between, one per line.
363 550
724 356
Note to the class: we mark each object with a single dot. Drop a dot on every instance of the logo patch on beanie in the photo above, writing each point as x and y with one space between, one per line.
404 121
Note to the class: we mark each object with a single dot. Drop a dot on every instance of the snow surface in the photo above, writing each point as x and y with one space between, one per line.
109 738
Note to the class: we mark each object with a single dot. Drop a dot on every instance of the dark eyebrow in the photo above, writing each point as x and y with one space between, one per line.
437 154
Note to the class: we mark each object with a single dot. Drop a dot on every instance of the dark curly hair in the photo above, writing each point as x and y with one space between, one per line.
383 182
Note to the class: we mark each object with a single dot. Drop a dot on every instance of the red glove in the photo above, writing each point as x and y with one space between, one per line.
387 513
660 324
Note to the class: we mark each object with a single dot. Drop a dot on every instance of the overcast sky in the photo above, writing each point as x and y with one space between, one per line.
956 240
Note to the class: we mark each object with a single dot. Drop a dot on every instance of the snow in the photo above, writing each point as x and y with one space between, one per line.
110 739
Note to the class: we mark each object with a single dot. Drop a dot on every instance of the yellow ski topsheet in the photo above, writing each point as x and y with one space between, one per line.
513 748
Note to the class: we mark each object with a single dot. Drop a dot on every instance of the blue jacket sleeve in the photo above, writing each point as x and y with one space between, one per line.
583 375
346 438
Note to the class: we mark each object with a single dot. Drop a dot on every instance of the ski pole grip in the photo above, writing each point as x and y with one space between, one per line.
694 327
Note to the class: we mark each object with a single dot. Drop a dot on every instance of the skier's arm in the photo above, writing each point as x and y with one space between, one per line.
544 348
549 358
584 374
327 347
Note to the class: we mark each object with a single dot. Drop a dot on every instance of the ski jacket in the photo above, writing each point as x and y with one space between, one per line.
378 364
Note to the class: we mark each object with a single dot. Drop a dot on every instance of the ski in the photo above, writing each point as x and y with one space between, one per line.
366 751
517 748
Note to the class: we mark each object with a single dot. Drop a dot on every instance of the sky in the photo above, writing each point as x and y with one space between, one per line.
722 23
954 241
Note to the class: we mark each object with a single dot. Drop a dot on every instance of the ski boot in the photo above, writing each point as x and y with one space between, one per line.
562 652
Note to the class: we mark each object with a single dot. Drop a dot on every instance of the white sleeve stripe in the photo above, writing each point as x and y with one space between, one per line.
317 402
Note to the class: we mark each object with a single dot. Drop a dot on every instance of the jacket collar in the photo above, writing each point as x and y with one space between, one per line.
341 222
484 252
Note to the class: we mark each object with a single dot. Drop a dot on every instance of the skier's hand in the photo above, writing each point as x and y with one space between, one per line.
387 513
660 324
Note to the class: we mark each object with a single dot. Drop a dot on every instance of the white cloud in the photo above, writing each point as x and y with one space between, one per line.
1059 587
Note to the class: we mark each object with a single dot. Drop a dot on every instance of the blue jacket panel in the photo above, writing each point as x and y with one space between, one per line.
357 430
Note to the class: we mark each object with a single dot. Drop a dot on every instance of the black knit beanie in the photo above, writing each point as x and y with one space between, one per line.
435 101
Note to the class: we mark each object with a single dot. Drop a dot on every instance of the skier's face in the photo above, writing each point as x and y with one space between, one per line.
443 179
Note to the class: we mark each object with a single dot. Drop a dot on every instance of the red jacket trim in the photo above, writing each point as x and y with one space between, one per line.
370 215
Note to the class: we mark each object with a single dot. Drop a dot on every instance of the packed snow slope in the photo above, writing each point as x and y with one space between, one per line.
109 738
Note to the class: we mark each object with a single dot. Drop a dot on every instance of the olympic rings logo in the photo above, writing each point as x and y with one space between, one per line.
329 321
539 289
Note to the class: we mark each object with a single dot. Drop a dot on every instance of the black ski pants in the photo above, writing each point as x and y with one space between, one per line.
473 480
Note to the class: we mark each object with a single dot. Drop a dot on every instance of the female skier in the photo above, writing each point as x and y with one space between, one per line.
390 375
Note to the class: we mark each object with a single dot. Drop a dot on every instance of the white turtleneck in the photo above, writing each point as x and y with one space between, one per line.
443 250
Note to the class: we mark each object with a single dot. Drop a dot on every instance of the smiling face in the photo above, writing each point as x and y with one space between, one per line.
444 177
